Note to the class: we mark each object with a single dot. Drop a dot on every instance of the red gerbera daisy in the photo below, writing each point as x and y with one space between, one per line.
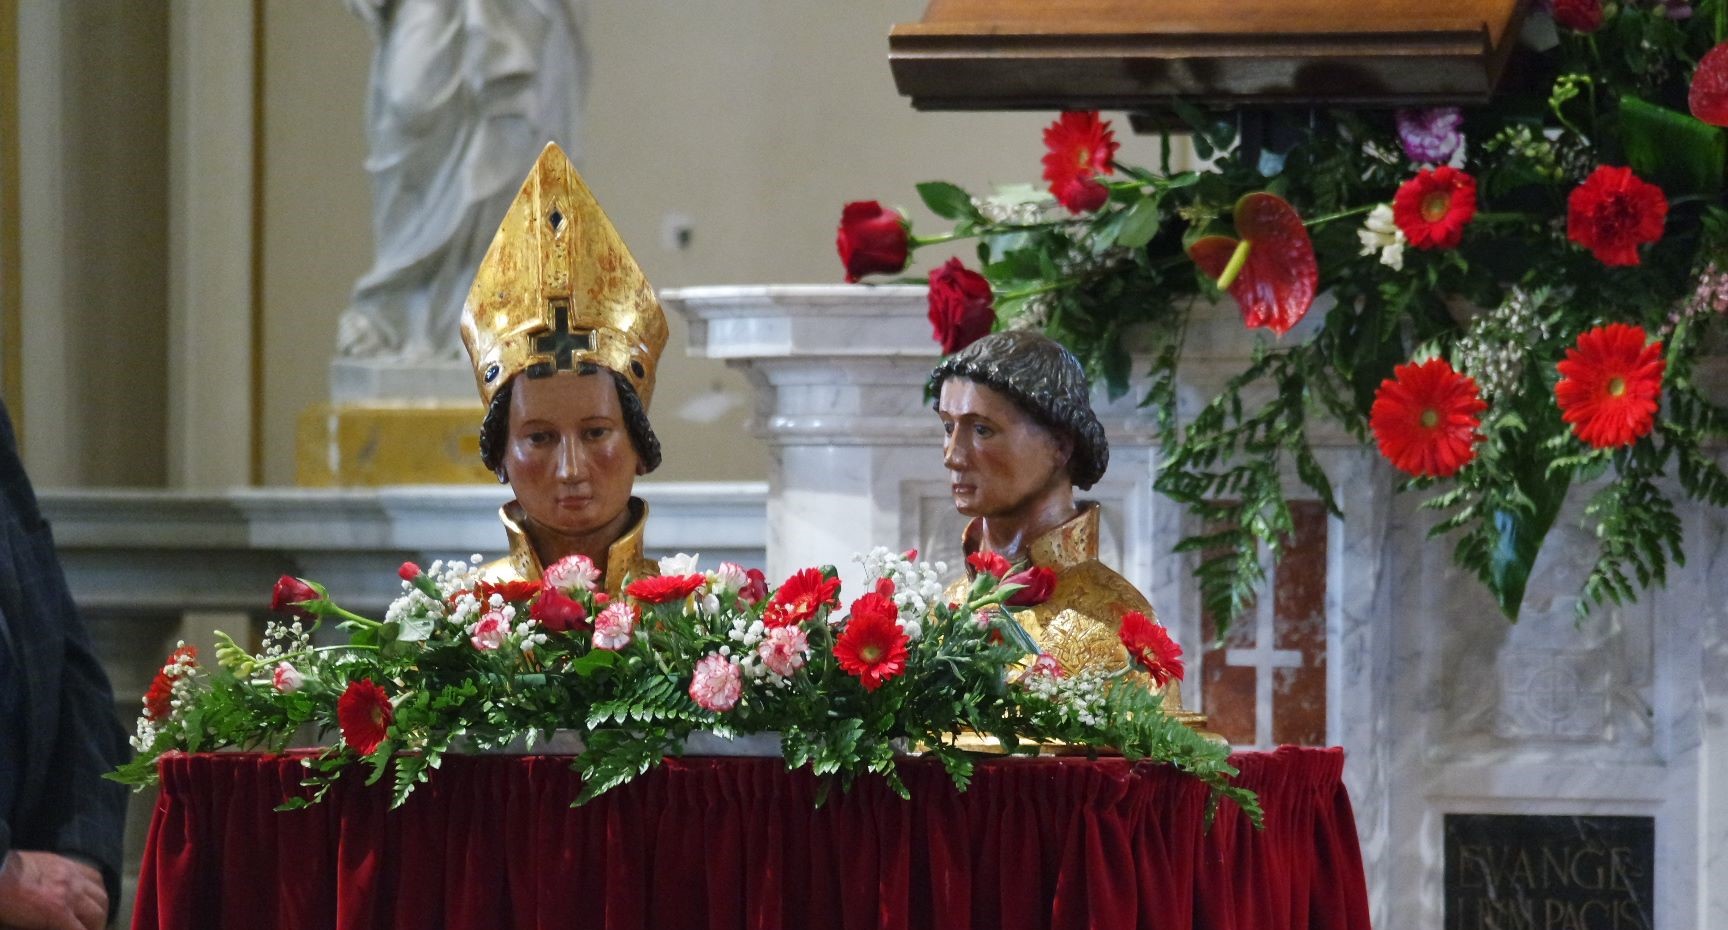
664 588
363 712
1609 385
1613 212
872 647
512 591
1424 418
1433 207
800 597
1150 645
1081 147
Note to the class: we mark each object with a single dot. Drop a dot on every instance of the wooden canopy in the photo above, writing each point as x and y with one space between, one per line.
1139 55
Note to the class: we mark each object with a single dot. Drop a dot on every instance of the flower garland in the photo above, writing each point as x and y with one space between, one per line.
1583 210
460 661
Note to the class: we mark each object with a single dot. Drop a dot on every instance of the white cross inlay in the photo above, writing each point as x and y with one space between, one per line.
1263 659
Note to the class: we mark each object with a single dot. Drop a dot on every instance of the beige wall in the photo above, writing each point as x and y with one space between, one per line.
756 119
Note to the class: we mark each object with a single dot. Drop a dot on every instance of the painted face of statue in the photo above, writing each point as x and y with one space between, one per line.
1001 462
569 457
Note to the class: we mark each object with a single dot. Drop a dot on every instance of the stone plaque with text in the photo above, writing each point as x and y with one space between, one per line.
1526 872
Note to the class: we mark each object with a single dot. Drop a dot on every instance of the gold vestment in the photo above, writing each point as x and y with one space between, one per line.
1077 624
624 559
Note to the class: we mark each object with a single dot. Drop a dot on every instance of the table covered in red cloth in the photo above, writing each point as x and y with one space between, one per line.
715 843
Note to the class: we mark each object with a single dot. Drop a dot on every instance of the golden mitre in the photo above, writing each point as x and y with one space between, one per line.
557 288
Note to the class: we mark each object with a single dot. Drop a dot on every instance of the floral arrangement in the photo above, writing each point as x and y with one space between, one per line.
1521 294
461 662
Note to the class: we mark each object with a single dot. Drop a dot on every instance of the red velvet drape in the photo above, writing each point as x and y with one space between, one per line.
739 843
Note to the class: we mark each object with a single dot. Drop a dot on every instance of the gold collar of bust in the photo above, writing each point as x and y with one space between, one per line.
623 557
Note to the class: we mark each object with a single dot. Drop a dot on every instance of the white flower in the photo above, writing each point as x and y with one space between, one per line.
1380 233
680 564
287 679
912 628
708 604
728 578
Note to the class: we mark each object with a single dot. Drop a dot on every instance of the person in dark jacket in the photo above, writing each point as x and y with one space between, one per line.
60 821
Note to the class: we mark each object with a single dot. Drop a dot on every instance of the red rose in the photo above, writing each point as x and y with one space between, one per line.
803 594
989 563
1613 212
363 712
755 586
1040 583
872 240
664 588
290 593
1080 148
558 611
1579 15
960 306
1150 645
1433 207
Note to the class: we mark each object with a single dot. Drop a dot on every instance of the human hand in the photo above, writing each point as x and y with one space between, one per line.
44 891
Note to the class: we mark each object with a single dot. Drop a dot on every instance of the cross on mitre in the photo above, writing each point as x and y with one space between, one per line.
561 343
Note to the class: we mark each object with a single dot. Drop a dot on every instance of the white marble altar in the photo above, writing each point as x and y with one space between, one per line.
1441 704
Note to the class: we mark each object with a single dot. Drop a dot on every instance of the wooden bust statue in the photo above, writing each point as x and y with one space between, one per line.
565 333
1020 435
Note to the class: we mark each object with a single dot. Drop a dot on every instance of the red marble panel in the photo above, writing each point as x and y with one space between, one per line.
1299 599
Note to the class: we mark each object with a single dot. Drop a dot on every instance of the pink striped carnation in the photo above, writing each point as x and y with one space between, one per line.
717 684
614 626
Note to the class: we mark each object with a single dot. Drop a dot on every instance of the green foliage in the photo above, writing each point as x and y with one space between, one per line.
1102 280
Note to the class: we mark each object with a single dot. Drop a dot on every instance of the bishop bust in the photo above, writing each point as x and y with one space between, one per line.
1020 436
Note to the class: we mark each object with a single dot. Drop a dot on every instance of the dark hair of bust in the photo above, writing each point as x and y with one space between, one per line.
495 428
1045 380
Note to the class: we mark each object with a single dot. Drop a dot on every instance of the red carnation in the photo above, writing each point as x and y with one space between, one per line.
408 572
960 306
1579 15
1433 207
290 594
664 588
1081 147
872 647
872 240
800 597
1150 645
363 712
989 563
158 698
1040 583
1425 418
1609 385
512 592
1613 212
558 611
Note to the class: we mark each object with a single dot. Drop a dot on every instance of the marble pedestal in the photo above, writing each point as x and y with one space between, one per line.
1442 705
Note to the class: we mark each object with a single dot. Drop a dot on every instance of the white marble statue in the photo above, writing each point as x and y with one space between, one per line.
464 94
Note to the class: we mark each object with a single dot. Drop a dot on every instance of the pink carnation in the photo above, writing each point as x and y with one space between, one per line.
614 626
784 649
488 633
572 573
717 684
287 678
729 577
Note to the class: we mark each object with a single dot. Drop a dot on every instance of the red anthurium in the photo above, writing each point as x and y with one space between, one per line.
1276 280
1708 98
